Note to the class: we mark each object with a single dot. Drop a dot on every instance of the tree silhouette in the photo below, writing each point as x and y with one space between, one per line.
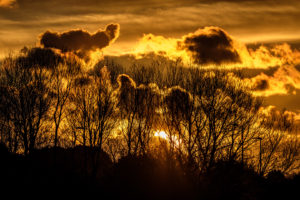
27 98
279 149
157 127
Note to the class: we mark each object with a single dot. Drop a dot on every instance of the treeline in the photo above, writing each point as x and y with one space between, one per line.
191 118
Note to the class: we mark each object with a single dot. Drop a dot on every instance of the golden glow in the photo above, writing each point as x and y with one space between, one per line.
161 134
161 46
7 3
173 139
284 81
262 57
95 57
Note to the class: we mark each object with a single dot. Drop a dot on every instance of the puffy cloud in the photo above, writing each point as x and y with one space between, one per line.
270 56
207 46
211 45
143 99
284 81
41 57
45 58
125 91
148 98
240 18
179 102
80 42
260 84
125 82
280 119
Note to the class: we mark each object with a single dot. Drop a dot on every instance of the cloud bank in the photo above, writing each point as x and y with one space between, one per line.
206 46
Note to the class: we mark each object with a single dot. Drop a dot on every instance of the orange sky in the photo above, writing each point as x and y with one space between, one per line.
273 70
22 21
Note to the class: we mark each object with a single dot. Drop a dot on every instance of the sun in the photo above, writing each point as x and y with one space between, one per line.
171 139
161 134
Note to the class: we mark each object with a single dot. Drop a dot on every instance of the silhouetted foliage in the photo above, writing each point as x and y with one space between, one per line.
153 131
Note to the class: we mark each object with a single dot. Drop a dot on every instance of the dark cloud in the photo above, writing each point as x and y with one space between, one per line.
290 88
41 57
125 82
260 85
178 101
142 99
29 58
210 45
80 42
241 18
147 98
125 91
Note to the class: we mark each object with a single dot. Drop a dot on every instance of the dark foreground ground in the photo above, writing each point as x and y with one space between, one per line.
71 173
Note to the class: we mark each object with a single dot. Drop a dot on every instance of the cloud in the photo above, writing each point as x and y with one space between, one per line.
284 81
143 99
260 84
125 82
179 102
277 118
125 91
46 58
275 55
41 57
243 20
211 45
207 46
80 42
7 3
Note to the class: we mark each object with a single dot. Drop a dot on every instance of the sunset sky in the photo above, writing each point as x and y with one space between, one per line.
167 25
248 20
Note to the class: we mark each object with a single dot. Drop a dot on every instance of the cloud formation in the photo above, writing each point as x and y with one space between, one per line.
285 81
240 18
80 42
41 57
207 46
179 102
260 84
211 45
143 99
280 119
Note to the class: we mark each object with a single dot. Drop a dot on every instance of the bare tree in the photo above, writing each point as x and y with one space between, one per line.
214 119
91 113
7 134
27 96
93 108
61 86
279 147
